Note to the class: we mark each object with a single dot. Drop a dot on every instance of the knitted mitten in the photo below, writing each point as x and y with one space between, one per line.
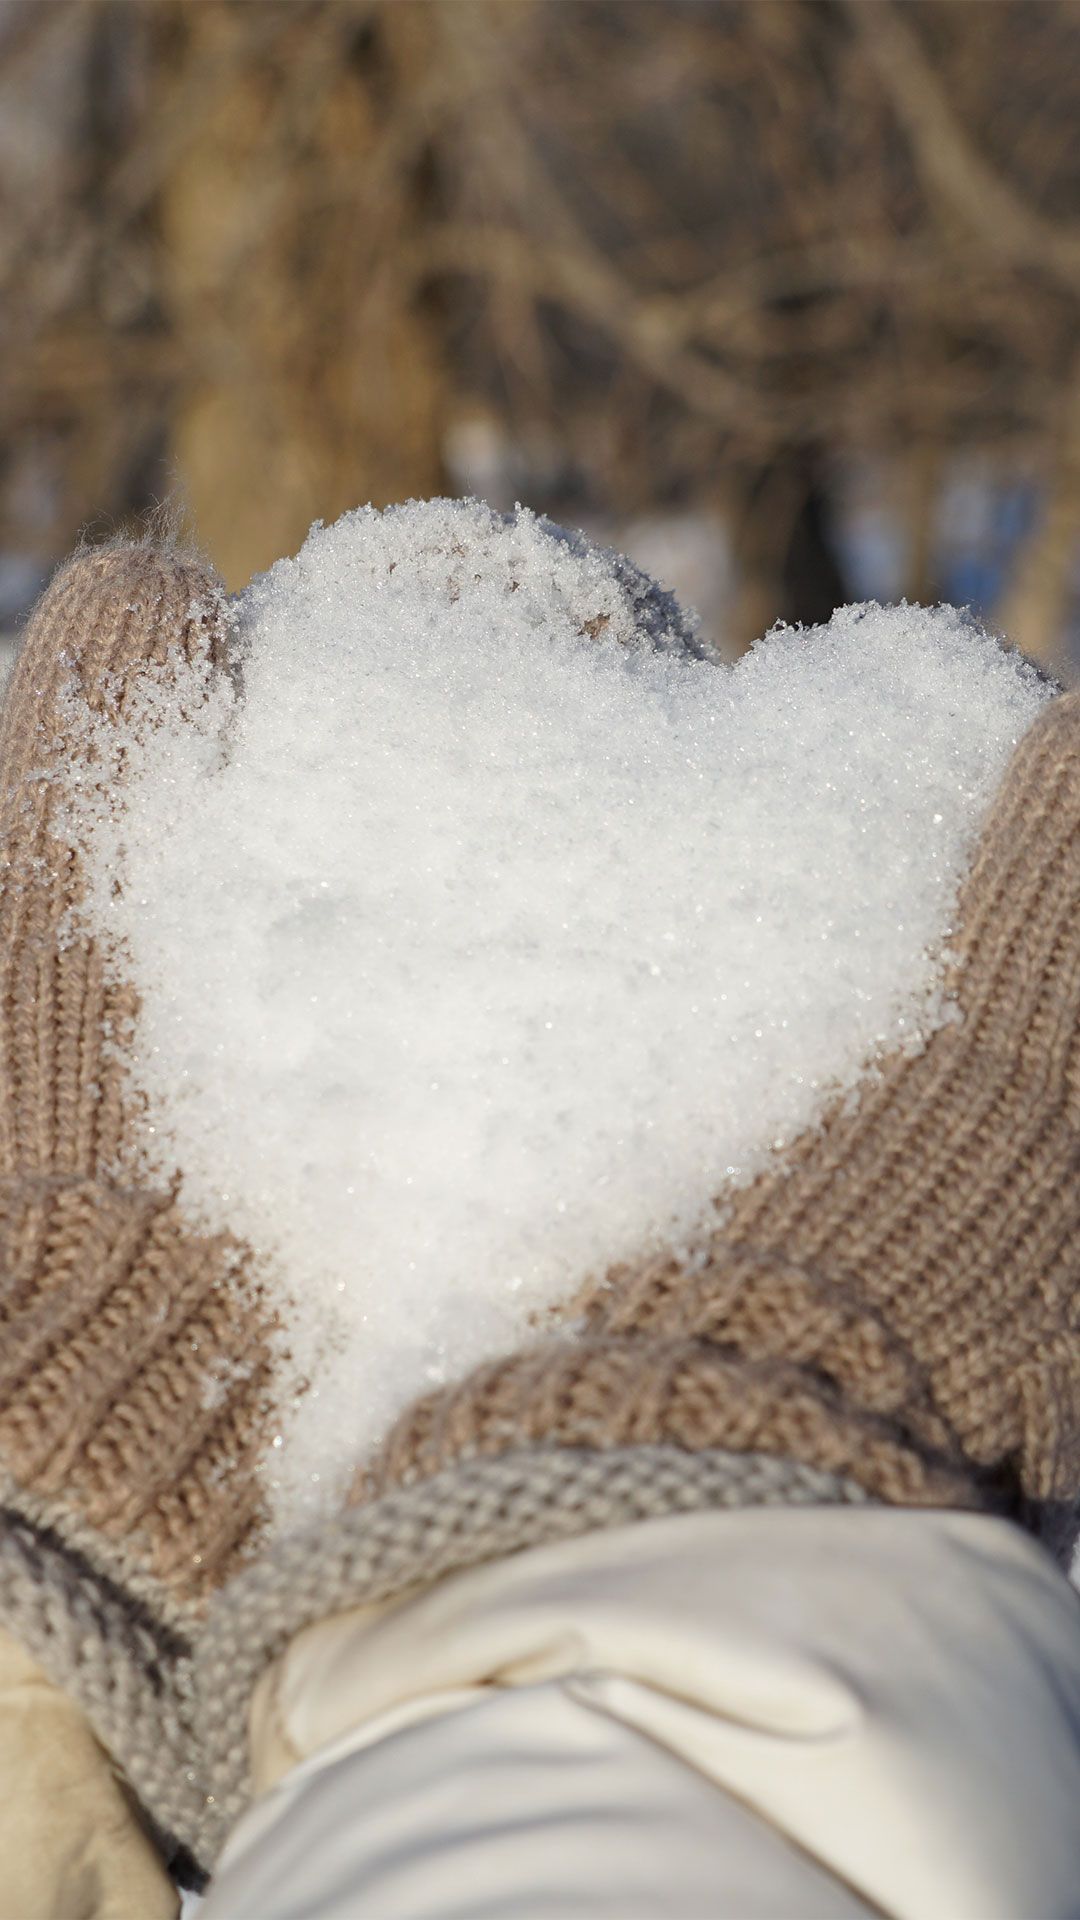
889 1312
138 1360
134 1357
896 1299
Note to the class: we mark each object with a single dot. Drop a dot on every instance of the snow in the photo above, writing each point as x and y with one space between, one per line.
486 927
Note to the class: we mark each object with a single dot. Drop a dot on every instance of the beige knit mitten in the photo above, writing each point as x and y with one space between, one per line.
126 1483
898 1298
891 1311
888 1313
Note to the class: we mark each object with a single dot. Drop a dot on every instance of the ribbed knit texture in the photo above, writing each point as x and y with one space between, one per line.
167 1687
112 1316
897 1297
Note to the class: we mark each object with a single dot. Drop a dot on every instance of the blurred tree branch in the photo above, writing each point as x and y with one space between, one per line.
689 250
1007 222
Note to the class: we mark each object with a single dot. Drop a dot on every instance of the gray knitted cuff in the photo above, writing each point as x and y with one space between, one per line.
167 1691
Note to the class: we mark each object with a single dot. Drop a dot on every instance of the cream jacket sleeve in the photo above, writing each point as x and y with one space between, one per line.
71 1847
707 1717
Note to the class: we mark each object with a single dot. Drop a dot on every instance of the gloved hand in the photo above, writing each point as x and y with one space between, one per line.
138 1367
890 1312
134 1360
887 1314
897 1299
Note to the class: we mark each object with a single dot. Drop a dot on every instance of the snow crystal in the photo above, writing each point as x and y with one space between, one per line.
487 929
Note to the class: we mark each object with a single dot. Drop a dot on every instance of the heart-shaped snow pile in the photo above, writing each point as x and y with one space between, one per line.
507 926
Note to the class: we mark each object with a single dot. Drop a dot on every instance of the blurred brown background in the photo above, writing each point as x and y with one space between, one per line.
780 295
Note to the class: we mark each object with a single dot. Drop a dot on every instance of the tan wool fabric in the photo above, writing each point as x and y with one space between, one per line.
134 1358
896 1297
